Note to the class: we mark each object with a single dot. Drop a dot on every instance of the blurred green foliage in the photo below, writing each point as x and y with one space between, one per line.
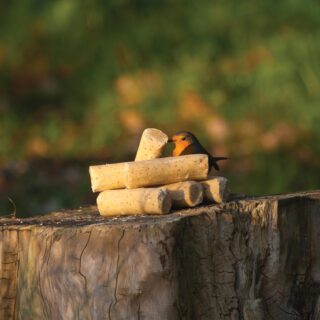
80 80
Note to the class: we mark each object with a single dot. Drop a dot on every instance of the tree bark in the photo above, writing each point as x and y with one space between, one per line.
256 258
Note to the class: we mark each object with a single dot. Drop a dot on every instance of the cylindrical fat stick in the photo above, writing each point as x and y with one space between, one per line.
134 201
166 170
185 194
151 144
111 176
215 189
107 176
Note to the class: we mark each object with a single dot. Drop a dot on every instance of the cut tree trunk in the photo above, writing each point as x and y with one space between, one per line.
256 258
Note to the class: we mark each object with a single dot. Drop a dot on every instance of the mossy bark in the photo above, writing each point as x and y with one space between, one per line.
255 258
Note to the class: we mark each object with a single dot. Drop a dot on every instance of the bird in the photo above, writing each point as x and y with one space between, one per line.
187 143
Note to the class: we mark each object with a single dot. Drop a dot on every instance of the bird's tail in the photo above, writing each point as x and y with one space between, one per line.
220 158
214 161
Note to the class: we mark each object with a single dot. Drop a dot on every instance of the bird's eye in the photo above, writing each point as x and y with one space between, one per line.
183 138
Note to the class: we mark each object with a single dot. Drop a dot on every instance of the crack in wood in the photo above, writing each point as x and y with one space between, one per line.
45 261
80 261
113 303
17 274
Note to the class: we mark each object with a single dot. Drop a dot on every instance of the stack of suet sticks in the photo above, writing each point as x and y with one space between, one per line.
155 185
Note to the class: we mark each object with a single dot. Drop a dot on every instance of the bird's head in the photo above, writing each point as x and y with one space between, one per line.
183 137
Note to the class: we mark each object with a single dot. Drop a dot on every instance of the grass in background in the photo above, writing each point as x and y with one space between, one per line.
79 81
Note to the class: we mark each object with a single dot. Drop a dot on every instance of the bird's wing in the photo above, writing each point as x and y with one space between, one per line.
198 149
190 149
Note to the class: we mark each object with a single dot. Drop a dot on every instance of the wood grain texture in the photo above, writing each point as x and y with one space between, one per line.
256 258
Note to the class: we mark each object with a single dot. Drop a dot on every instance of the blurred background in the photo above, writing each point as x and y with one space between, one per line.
80 80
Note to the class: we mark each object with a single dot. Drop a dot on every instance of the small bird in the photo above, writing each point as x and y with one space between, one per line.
187 143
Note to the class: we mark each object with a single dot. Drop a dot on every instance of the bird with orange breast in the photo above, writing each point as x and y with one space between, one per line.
187 143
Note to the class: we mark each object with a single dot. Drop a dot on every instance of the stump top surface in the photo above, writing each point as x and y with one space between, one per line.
89 215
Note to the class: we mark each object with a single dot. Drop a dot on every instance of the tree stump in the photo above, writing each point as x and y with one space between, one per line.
256 258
